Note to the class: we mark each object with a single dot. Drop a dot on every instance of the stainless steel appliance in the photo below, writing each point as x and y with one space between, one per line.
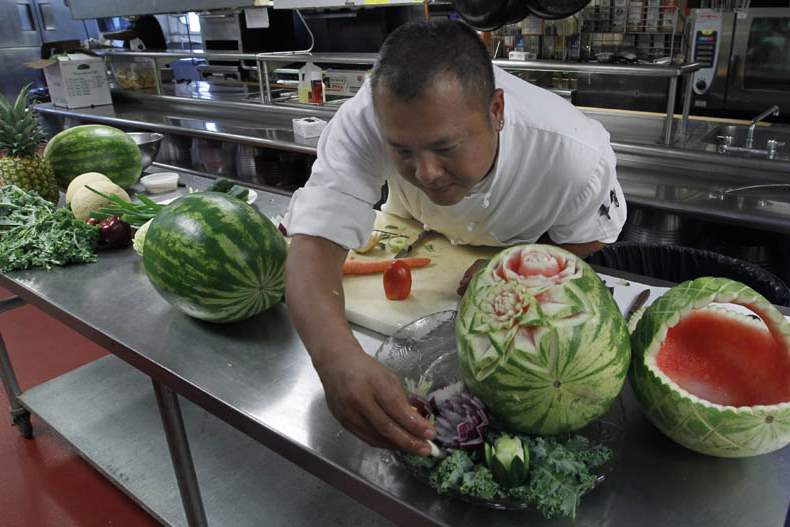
759 71
228 30
26 25
747 60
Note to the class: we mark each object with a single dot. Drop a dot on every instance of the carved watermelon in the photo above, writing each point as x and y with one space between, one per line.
715 381
541 341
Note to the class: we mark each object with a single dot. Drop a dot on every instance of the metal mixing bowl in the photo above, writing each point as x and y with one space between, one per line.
149 143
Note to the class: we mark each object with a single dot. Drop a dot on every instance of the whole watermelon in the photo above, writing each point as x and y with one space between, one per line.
715 381
215 258
541 341
94 148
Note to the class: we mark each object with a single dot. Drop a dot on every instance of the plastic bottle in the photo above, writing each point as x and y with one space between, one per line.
303 89
317 92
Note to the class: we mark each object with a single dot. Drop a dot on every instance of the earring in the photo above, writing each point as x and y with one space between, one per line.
501 124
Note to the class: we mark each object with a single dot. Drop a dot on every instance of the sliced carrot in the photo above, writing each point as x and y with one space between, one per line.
379 266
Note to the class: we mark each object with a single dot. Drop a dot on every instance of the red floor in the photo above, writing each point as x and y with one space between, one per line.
43 483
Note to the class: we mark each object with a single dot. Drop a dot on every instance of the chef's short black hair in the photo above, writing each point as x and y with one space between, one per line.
419 52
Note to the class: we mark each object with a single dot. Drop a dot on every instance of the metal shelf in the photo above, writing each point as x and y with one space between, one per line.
107 412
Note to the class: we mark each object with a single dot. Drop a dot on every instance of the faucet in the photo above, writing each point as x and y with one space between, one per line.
773 110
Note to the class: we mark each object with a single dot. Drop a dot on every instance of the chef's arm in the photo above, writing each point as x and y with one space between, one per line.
582 250
364 396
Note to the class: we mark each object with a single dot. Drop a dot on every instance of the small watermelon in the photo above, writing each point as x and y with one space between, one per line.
715 381
541 341
94 148
215 258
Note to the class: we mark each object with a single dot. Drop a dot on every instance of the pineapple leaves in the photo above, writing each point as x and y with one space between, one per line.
20 129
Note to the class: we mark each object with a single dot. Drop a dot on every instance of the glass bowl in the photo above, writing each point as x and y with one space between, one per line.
424 353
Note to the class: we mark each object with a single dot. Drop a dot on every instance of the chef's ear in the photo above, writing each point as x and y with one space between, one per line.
496 108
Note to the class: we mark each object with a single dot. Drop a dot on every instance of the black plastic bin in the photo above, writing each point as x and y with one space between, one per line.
677 264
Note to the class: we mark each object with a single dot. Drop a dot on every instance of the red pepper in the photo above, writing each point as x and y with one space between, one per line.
397 281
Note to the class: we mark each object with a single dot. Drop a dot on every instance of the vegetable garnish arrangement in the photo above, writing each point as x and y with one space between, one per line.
477 456
33 233
476 459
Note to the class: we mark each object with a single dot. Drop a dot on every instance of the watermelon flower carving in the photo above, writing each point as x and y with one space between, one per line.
541 341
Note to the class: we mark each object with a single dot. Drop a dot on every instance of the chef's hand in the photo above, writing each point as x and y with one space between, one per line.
369 401
469 274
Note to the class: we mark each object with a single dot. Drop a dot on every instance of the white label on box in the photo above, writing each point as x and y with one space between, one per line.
257 17
343 82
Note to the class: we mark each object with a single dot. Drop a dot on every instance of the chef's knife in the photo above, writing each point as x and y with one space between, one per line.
638 302
406 251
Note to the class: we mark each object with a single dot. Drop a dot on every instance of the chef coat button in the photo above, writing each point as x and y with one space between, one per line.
426 227
471 226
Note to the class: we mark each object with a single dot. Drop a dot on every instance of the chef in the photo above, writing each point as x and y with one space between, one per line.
467 150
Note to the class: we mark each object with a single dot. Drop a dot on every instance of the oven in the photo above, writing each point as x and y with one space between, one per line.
230 31
746 60
759 66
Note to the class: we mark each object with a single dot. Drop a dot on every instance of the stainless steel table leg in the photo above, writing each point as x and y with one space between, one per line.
19 416
177 442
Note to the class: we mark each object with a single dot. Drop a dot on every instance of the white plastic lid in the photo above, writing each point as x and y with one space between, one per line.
160 182
316 75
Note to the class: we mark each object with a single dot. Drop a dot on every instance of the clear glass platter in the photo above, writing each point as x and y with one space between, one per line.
425 351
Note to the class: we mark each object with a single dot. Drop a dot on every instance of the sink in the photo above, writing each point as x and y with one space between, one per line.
738 133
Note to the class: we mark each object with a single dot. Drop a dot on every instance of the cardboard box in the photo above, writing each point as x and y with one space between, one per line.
76 80
344 82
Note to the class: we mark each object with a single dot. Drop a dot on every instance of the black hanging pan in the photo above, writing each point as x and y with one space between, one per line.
555 8
483 15
517 10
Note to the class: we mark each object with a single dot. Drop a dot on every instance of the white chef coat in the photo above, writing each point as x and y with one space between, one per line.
555 174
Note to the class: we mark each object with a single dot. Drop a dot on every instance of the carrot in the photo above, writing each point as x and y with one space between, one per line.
355 267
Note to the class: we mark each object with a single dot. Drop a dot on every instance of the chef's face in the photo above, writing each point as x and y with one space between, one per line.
444 141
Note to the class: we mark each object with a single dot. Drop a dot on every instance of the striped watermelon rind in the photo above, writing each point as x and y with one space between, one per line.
547 356
697 424
94 148
215 258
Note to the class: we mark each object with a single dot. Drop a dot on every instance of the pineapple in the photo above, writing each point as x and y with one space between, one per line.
20 136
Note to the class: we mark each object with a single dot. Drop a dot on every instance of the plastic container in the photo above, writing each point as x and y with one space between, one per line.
160 182
133 73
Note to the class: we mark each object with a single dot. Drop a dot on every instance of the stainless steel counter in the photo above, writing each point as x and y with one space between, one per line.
257 377
687 179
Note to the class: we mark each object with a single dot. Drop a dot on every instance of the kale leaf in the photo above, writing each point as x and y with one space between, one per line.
33 233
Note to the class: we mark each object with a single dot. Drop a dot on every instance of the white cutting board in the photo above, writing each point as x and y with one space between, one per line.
433 287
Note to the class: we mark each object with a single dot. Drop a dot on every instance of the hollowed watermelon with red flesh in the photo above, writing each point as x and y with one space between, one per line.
713 380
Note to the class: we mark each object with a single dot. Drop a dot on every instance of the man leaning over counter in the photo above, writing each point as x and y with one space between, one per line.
467 150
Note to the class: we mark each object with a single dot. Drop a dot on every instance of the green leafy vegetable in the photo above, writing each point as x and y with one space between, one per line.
227 186
220 185
480 483
419 461
450 471
33 233
560 473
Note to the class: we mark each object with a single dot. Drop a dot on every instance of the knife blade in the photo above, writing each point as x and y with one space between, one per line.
638 302
406 251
